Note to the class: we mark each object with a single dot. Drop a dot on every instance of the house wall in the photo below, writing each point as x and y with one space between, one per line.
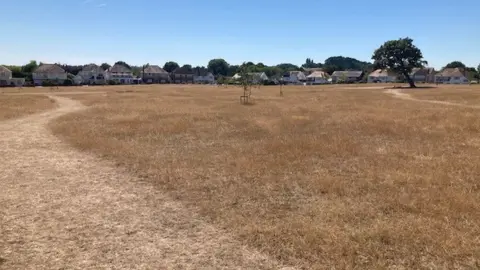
451 80
182 78
5 75
120 77
381 79
38 78
317 80
204 79
98 77
156 77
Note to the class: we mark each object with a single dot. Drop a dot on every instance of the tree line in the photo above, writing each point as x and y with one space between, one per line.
400 55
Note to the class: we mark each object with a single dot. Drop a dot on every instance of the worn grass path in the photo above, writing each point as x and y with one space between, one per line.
63 209
405 96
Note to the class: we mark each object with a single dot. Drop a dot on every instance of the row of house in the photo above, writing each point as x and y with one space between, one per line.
119 74
422 75
418 75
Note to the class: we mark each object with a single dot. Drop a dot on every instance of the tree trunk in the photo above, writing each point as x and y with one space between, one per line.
409 80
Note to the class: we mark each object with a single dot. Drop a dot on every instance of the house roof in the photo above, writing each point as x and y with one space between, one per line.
183 70
382 73
348 73
154 69
318 74
4 69
117 68
92 68
200 71
311 70
451 72
49 68
293 73
422 71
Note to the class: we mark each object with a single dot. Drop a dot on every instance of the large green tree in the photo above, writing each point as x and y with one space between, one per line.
218 67
170 66
105 66
455 64
400 56
123 64
30 67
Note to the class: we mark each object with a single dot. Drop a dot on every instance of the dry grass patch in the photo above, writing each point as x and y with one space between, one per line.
326 176
461 94
17 106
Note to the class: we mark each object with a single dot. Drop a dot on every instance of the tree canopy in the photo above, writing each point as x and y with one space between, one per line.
170 66
218 67
123 64
105 66
400 56
455 64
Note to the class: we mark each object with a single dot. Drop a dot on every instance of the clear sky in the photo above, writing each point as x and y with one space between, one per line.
268 31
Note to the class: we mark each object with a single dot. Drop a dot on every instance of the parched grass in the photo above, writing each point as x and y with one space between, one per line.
324 177
18 106
462 94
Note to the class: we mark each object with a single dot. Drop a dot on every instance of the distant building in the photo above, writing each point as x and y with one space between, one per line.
452 76
119 74
294 77
318 77
382 76
347 76
92 74
423 75
49 72
6 78
155 74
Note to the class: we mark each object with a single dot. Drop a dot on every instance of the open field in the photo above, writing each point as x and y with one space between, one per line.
463 94
17 106
325 176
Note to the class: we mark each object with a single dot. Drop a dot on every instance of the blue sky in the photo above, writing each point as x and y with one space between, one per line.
268 31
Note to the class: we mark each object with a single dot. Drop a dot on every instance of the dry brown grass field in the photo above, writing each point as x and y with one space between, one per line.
463 94
17 106
324 177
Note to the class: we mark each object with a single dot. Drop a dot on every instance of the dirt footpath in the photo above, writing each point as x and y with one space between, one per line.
63 209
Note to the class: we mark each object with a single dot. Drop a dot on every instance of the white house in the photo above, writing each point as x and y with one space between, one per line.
201 75
318 77
255 77
382 76
294 77
49 72
452 76
119 74
7 80
92 74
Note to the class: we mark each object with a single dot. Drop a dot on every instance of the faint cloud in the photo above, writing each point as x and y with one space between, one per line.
102 5
87 1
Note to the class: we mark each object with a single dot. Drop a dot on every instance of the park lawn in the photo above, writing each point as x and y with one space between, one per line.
323 177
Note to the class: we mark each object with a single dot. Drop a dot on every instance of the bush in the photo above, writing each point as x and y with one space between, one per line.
68 82
47 83
112 82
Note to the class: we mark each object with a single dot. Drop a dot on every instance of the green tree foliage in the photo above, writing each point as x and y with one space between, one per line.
187 67
346 63
309 63
232 70
123 64
170 66
30 67
288 67
71 69
400 56
455 64
218 67
105 66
